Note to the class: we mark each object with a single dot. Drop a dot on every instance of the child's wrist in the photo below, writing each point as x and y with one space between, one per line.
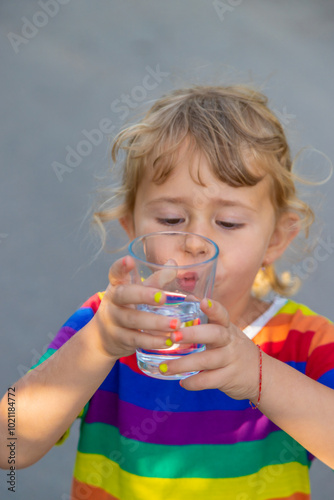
97 342
255 400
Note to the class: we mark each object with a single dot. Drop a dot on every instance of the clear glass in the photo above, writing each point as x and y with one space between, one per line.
183 265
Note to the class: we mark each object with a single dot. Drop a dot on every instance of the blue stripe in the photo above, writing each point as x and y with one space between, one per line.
298 365
143 391
80 318
327 379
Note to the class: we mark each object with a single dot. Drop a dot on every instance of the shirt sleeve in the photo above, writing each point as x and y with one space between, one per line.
75 323
308 344
320 363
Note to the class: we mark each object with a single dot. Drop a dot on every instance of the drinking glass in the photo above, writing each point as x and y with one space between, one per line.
182 265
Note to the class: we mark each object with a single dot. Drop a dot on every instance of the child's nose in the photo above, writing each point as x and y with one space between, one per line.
195 246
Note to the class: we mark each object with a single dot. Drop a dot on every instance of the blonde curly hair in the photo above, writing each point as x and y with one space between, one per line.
226 124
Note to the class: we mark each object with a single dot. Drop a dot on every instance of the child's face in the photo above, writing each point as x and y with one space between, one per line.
241 221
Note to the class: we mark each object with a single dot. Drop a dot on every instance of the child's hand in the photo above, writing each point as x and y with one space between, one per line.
229 363
119 323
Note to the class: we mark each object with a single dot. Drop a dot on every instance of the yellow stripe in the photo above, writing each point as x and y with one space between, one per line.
63 438
273 481
100 295
291 307
67 432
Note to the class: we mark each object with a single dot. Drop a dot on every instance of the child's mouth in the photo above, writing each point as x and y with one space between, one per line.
187 281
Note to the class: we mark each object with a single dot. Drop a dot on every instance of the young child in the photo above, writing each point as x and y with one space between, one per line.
212 161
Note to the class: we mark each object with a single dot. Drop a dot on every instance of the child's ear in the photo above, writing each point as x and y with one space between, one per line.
127 224
287 228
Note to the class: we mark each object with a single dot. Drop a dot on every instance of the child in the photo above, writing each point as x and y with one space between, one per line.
212 161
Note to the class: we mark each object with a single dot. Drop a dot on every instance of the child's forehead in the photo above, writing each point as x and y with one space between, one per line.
181 192
194 175
167 162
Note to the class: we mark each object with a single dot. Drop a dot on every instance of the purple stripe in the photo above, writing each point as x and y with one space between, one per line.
165 426
65 333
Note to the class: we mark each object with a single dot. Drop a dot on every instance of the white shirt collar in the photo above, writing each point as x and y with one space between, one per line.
257 325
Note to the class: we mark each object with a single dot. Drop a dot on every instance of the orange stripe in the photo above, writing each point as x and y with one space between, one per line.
295 496
276 332
83 491
278 327
324 335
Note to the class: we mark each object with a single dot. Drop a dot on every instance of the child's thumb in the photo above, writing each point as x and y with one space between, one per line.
119 271
164 276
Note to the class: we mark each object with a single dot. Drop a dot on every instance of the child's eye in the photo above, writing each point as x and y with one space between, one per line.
229 225
171 221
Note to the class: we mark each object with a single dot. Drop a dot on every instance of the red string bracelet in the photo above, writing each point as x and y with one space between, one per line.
254 406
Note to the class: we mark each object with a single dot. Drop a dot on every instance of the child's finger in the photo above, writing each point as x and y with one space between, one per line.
215 312
144 321
126 294
211 335
203 380
201 361
161 278
120 269
143 340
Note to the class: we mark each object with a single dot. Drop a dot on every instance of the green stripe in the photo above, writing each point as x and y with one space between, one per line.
83 412
165 461
45 356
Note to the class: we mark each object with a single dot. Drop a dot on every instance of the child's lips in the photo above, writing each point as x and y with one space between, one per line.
187 281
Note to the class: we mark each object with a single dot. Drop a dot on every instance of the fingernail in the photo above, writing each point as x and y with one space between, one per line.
177 336
124 261
163 368
157 297
169 342
209 303
173 323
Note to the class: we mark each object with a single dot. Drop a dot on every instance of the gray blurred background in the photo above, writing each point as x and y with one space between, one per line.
71 66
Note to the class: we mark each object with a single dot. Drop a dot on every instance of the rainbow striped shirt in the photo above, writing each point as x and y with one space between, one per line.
144 438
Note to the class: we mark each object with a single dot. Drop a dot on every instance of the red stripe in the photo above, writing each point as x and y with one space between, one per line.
320 362
272 348
93 302
296 347
131 362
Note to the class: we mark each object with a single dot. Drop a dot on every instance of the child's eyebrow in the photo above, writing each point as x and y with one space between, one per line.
168 199
214 201
233 203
